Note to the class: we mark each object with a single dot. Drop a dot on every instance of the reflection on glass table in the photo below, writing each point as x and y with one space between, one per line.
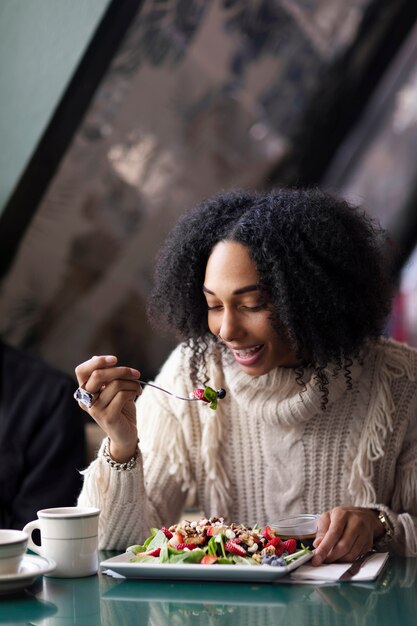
390 600
105 601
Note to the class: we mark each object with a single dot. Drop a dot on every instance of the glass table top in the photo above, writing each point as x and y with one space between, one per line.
102 600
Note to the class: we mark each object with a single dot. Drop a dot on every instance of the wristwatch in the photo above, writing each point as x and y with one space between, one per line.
389 531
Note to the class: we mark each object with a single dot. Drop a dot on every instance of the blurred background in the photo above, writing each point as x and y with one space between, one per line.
119 115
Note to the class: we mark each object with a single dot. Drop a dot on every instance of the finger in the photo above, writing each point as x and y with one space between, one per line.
102 378
96 372
84 370
107 395
349 547
331 538
88 393
355 550
119 401
110 415
323 524
358 548
113 417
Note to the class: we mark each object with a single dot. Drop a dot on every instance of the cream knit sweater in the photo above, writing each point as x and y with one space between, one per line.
268 451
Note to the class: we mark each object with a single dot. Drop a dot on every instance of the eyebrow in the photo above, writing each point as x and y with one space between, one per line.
236 292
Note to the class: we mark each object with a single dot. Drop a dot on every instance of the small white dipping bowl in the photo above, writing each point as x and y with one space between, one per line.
12 548
302 527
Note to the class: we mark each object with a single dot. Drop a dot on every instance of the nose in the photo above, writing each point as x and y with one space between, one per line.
230 328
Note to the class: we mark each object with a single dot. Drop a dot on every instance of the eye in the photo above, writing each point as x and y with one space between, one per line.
257 307
215 307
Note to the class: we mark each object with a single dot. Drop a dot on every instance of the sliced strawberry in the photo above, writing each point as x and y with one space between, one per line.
277 544
154 552
176 539
210 531
275 541
208 559
234 548
190 546
268 533
290 545
199 394
167 532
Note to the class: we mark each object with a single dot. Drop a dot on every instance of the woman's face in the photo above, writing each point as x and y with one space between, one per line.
239 312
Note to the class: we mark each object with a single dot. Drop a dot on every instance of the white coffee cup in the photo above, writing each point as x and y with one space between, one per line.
69 536
12 548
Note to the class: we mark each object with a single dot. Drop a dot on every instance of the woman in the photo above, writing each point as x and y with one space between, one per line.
279 298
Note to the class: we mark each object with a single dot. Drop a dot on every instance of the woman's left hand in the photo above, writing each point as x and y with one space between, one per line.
344 533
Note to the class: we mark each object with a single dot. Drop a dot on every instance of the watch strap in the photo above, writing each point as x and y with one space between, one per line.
383 518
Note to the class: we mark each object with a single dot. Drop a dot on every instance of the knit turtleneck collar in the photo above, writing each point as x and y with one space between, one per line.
278 396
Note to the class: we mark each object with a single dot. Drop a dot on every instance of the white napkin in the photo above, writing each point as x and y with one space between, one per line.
110 572
333 571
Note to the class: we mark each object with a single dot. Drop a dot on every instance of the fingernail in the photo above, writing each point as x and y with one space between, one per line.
110 359
135 372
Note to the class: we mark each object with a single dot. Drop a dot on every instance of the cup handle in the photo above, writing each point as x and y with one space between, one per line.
29 528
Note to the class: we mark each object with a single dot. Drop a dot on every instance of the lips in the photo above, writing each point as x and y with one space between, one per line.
248 356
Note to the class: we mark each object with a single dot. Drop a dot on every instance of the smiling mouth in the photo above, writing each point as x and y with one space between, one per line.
247 354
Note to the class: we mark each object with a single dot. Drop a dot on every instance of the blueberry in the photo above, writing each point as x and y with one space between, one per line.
221 393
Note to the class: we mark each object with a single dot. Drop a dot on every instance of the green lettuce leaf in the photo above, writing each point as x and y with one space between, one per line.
157 539
143 558
192 556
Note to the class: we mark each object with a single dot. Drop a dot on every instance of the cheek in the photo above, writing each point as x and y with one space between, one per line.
265 327
213 324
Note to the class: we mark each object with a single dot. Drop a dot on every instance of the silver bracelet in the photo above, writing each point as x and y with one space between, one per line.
119 467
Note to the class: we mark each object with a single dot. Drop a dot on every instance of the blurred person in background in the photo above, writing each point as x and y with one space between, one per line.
42 440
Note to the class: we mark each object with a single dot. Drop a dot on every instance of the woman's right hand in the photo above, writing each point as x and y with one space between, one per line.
115 389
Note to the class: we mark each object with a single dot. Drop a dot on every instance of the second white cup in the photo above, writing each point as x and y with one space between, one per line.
69 536
12 549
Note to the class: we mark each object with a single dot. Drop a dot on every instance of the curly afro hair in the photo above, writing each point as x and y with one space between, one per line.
319 259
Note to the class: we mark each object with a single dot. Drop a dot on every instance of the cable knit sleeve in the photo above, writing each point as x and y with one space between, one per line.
154 492
402 513
388 446
404 501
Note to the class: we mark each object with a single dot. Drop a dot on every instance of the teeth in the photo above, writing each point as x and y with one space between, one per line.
247 352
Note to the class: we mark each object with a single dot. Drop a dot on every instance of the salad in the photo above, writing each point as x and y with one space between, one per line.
209 395
211 541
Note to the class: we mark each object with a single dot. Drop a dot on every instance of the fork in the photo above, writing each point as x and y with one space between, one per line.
87 397
142 382
221 393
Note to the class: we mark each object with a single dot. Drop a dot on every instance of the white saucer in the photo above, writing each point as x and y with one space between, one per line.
31 567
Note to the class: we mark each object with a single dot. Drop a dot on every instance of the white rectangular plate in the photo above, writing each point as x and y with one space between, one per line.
190 571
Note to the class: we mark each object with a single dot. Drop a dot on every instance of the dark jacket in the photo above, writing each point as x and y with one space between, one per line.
42 441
